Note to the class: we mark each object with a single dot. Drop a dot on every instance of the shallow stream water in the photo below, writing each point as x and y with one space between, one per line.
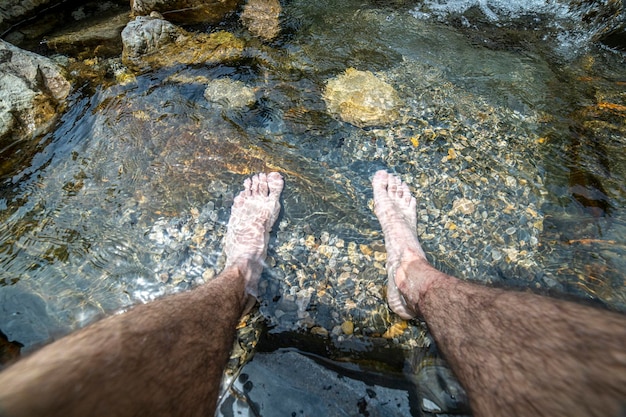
512 108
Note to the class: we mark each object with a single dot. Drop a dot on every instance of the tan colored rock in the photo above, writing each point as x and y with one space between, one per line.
347 327
463 206
186 11
151 42
261 18
362 99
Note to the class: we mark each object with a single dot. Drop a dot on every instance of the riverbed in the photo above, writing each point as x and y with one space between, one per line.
511 135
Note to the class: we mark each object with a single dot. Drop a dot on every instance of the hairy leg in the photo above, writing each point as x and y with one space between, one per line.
515 353
162 358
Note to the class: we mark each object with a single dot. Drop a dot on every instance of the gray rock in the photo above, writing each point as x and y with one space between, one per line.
229 93
150 42
146 35
285 383
32 90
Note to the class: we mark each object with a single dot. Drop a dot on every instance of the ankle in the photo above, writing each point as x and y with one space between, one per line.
414 278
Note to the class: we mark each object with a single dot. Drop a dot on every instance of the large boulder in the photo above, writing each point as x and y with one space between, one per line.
151 42
186 11
32 91
362 99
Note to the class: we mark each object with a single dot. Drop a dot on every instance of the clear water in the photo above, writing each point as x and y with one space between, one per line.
102 212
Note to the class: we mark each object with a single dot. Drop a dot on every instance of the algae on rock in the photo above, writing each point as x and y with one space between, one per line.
151 42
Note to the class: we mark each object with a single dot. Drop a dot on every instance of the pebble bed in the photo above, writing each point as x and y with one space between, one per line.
470 165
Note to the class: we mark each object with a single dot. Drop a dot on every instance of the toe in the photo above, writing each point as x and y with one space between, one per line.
406 194
247 185
255 185
380 179
396 187
275 183
263 189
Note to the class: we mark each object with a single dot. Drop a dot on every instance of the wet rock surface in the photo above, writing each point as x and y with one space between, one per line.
152 43
33 91
230 93
310 389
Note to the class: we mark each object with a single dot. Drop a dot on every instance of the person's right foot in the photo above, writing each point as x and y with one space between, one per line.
395 208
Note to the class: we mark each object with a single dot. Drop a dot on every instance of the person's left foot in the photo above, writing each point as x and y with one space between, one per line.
254 212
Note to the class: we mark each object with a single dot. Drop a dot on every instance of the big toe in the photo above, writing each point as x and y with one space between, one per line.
381 179
275 183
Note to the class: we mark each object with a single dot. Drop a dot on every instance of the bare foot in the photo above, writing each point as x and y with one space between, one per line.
395 208
254 212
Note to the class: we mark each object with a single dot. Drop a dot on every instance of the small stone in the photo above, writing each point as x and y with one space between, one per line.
395 330
198 260
496 255
380 256
366 250
325 250
347 327
319 331
510 181
208 274
310 241
463 206
341 280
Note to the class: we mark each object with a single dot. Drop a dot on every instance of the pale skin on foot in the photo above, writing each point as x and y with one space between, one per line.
516 354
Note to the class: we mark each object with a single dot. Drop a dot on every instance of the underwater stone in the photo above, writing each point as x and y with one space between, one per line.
360 98
229 93
261 18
